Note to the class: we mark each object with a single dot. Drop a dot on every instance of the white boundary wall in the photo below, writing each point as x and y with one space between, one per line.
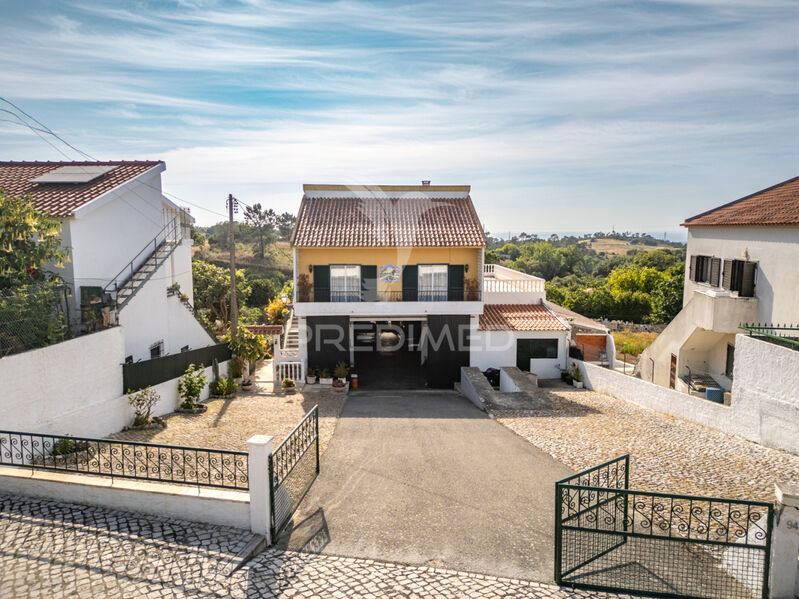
75 388
765 395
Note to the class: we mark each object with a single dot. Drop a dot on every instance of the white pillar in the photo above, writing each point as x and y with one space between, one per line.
260 448
785 543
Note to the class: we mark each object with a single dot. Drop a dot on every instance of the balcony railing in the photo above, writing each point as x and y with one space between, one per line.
405 295
501 279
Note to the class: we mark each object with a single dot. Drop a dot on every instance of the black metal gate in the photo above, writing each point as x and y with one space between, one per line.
293 467
611 538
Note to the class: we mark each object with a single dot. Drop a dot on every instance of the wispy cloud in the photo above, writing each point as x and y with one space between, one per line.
646 109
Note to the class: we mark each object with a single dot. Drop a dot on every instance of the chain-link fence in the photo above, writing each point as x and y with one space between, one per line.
32 316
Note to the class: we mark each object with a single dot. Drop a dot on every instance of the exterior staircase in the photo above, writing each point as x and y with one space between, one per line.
138 271
291 339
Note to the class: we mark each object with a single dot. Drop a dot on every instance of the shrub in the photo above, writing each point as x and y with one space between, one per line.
325 374
341 370
67 446
224 386
191 385
277 311
143 402
248 345
289 383
235 368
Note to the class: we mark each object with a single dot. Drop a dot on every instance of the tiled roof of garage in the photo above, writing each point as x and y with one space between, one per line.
519 317
387 216
777 205
61 199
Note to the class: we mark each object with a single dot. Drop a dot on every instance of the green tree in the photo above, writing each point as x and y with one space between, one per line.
667 298
510 251
29 239
659 259
263 221
491 257
285 224
212 289
634 279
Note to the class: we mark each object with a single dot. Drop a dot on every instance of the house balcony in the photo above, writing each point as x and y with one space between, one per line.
502 285
390 303
718 311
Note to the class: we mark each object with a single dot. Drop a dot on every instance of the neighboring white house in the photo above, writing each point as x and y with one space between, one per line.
128 245
391 280
741 267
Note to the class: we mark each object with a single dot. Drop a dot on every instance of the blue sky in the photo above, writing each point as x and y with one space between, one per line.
563 115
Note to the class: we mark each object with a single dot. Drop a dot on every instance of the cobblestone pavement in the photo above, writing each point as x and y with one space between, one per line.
228 423
667 454
61 550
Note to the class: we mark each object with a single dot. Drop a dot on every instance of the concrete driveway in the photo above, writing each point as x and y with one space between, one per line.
425 478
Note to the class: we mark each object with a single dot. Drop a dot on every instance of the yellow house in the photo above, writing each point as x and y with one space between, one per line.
391 281
378 270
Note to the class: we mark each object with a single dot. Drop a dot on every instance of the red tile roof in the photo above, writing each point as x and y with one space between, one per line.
575 319
519 317
387 216
777 205
61 199
265 329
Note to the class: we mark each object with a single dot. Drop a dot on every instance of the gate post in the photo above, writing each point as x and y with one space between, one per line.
785 543
260 448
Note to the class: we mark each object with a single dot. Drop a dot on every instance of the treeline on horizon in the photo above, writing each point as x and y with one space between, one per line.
639 285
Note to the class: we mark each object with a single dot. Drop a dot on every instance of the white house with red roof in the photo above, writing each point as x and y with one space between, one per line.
391 281
741 268
130 249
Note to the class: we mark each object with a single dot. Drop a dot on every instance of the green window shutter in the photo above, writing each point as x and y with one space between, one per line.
410 283
321 283
368 283
455 283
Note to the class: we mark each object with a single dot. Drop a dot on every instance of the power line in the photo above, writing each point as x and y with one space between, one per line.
50 131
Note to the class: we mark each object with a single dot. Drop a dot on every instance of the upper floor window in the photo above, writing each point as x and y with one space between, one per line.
739 275
345 283
705 269
433 282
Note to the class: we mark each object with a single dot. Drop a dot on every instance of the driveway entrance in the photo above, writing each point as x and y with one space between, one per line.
425 478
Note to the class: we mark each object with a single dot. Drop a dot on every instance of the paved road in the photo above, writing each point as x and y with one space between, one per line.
60 550
425 478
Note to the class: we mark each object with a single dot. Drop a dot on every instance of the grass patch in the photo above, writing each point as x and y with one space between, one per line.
630 343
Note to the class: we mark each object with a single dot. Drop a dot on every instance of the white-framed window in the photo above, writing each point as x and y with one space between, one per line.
345 283
432 282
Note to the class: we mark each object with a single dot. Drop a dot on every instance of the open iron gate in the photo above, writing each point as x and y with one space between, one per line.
293 467
611 538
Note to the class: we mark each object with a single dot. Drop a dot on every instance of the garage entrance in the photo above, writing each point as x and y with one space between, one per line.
387 354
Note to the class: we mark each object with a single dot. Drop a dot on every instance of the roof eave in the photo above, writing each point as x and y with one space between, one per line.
99 201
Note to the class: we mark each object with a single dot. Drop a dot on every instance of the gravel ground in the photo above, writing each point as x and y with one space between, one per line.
668 454
228 423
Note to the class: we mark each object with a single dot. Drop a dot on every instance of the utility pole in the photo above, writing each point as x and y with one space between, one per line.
233 206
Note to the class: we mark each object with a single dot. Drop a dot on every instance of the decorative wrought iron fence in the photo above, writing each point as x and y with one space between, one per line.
293 467
608 537
125 459
786 334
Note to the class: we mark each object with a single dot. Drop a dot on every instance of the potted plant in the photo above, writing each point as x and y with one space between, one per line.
566 376
190 386
310 378
325 378
340 373
577 378
173 289
304 288
143 402
288 386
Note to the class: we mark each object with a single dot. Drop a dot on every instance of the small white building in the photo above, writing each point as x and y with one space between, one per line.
130 249
741 268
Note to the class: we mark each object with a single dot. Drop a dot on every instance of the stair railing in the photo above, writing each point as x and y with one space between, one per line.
127 272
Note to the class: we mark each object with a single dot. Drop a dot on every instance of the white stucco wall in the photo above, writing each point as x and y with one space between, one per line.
76 388
765 395
213 506
41 384
108 232
151 316
495 349
775 249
